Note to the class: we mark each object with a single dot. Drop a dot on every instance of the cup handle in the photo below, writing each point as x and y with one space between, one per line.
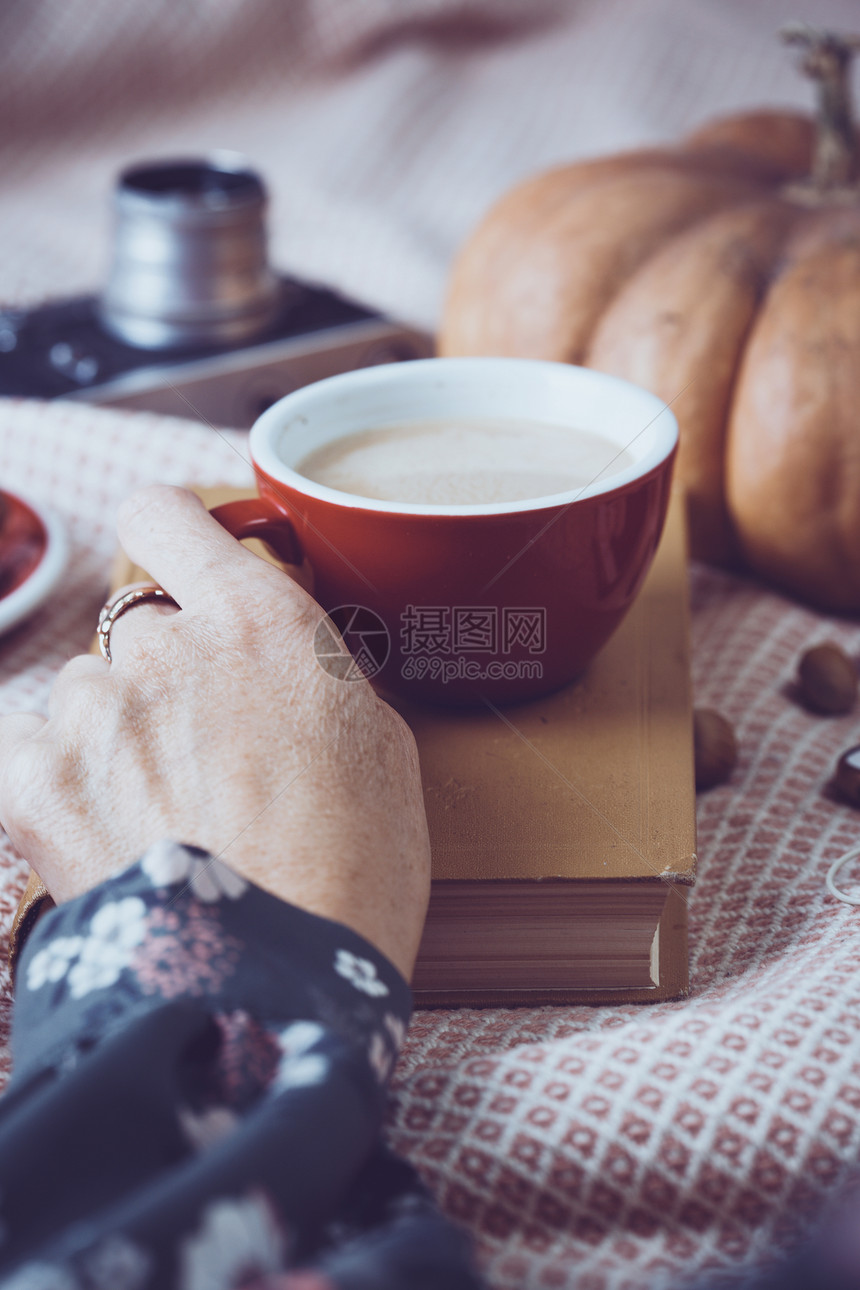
255 517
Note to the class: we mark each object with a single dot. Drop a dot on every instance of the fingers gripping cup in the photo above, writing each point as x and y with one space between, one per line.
476 528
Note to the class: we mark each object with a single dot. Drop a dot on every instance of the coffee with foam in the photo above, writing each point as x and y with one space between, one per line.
464 461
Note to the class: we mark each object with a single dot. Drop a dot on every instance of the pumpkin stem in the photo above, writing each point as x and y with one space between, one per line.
826 60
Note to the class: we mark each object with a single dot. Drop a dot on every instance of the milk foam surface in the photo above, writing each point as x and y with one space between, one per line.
462 462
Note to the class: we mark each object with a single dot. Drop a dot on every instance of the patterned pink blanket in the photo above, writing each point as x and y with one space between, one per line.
632 1144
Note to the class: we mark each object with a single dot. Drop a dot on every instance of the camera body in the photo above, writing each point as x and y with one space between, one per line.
63 350
193 322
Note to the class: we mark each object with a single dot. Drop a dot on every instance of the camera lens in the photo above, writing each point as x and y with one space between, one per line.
189 268
192 182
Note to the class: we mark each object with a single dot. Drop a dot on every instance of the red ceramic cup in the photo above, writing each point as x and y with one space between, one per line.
459 604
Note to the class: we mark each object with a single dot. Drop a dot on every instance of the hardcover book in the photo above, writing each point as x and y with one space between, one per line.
563 830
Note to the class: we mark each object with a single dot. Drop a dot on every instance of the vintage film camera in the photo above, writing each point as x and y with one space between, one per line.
193 321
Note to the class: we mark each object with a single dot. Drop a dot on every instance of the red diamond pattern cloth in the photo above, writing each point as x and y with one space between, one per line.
614 1148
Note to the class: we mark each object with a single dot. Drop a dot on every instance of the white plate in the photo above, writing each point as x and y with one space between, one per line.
38 585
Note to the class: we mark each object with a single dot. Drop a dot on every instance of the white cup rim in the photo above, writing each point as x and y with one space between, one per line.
294 412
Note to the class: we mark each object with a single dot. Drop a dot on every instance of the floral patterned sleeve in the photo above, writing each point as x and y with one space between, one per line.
200 1073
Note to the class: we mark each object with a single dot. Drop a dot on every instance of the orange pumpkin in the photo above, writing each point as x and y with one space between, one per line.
724 275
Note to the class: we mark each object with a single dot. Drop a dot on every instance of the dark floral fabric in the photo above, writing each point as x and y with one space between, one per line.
200 1072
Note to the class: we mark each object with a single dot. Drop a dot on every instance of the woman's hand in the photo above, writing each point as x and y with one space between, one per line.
216 725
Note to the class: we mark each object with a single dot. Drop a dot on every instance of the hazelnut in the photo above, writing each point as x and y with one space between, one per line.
828 679
714 747
847 777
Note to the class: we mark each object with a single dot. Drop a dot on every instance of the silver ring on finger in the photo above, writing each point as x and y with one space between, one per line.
120 604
